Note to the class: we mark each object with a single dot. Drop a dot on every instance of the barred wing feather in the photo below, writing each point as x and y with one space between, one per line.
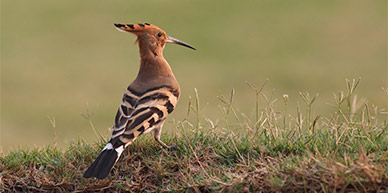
138 113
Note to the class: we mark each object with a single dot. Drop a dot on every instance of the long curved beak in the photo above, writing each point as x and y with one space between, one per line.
176 41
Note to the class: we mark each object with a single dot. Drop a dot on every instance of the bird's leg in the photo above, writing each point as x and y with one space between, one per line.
128 154
157 133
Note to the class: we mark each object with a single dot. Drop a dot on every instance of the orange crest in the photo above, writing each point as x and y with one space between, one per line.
135 27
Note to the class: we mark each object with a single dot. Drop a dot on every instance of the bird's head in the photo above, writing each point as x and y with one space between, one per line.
150 36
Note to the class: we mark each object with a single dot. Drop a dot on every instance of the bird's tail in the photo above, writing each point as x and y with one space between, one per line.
101 167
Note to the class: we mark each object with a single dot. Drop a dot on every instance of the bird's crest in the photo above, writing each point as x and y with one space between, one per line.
140 27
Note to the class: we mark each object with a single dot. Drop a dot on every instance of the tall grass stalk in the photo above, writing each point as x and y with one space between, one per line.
263 153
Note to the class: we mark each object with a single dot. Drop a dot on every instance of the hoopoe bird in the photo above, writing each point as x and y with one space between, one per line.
146 102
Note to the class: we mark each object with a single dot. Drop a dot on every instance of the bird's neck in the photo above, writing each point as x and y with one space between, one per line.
152 64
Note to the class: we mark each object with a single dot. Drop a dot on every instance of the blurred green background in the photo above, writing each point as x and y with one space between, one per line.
64 58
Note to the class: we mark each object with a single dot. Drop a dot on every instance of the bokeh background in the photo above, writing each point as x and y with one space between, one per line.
62 59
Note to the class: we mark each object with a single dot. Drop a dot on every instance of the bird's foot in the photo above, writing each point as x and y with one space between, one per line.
171 147
128 155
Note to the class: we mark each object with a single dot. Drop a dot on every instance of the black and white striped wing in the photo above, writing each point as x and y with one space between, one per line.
127 106
147 112
137 114
112 151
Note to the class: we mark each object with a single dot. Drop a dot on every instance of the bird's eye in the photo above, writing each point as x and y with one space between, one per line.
159 34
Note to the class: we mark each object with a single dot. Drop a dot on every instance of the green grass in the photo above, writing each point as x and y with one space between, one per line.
274 151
